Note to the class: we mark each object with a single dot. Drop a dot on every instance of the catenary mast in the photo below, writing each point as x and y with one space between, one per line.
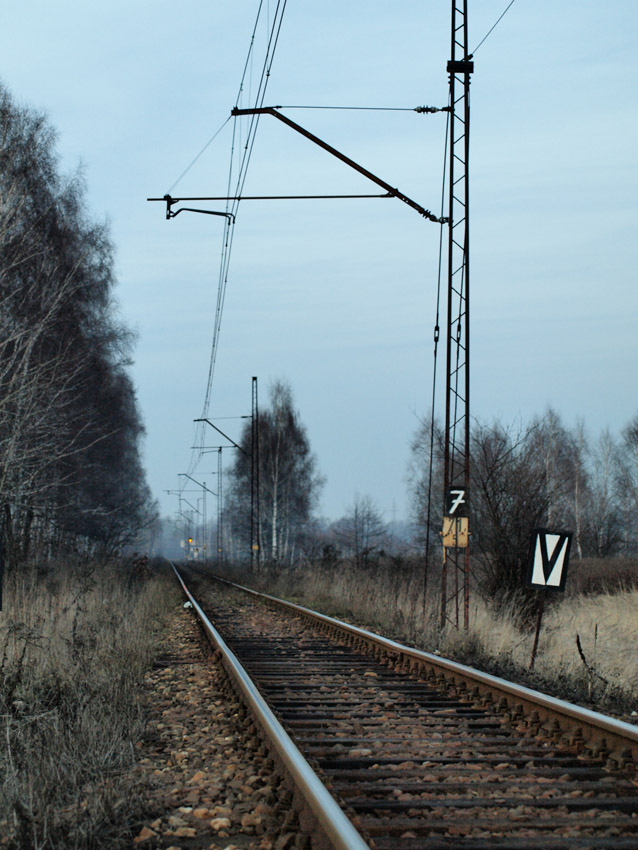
455 584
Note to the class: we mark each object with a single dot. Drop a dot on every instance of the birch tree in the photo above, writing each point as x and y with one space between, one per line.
288 480
627 485
603 532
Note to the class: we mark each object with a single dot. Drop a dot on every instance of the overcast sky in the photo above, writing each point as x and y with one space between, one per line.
338 297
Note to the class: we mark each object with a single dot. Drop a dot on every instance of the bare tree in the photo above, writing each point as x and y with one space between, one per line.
563 453
627 484
602 521
425 482
362 531
69 426
510 495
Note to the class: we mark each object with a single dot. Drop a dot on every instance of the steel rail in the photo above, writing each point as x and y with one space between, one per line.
619 734
330 817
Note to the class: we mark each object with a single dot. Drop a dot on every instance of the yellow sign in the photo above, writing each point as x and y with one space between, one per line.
456 532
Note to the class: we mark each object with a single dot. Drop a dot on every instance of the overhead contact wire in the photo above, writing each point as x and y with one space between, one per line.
232 207
437 331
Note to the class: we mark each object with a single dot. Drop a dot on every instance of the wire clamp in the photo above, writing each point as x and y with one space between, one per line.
169 203
435 218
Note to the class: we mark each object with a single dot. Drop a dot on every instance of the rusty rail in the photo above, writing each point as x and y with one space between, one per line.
332 821
618 738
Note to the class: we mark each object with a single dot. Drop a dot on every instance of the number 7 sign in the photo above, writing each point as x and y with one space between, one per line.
456 502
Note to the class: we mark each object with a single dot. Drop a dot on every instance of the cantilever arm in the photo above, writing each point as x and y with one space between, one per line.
230 440
199 484
171 214
270 110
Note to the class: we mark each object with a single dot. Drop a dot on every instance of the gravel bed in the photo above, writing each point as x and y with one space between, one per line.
207 786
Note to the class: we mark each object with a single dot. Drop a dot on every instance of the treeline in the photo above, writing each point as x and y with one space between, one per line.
70 472
285 525
543 474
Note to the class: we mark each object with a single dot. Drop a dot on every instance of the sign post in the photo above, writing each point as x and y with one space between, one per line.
547 569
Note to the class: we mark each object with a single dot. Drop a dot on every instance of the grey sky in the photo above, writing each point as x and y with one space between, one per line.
338 298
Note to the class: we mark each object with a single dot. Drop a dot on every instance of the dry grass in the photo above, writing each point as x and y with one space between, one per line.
603 674
74 645
607 626
389 598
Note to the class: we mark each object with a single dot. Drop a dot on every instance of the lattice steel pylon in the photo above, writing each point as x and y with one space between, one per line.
455 579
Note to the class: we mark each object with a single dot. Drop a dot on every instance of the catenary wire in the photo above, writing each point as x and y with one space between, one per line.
247 65
434 369
200 427
489 32
232 207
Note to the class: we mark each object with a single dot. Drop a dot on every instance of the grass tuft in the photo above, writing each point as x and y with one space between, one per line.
74 646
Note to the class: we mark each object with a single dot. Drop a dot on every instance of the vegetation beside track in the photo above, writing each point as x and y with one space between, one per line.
75 642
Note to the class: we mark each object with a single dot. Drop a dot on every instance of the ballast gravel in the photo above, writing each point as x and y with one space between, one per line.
207 787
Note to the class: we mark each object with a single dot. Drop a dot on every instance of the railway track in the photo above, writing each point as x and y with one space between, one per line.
425 754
